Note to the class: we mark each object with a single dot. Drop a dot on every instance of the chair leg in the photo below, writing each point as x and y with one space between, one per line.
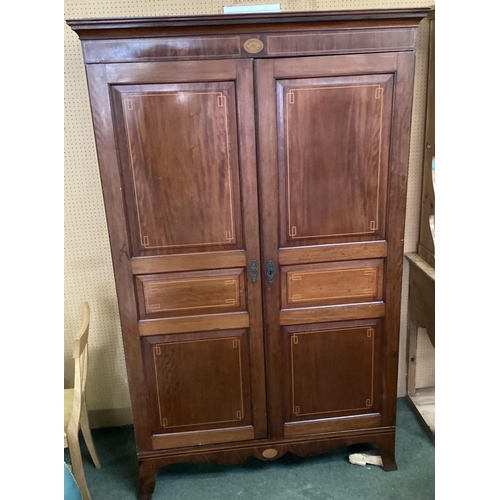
77 464
87 435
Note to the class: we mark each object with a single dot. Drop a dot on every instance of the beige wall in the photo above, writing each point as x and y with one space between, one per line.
88 268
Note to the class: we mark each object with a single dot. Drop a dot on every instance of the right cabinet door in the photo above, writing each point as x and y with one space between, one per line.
333 152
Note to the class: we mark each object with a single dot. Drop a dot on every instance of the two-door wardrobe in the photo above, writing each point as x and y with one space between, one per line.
254 173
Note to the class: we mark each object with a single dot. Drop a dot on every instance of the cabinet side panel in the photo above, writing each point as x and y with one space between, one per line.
117 230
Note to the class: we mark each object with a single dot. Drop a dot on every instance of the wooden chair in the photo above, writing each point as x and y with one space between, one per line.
75 407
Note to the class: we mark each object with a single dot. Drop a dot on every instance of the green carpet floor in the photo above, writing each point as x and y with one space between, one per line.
324 477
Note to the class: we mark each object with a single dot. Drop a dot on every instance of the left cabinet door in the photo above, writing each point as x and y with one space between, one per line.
176 148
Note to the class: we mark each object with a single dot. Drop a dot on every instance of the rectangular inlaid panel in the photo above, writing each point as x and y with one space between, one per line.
333 283
342 41
332 369
179 294
199 381
157 49
333 178
179 152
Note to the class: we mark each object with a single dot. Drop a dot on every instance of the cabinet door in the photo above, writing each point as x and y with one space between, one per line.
176 145
333 148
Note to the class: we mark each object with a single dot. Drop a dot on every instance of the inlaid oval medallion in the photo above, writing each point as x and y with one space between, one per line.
253 45
269 453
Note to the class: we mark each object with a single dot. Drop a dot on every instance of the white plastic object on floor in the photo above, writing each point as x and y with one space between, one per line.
367 457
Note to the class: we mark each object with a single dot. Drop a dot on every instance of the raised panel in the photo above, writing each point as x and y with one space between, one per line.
332 370
333 283
180 294
333 158
199 381
179 153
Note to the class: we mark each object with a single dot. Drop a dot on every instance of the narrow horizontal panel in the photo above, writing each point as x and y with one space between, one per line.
341 41
188 262
193 324
328 253
195 438
170 72
343 282
331 313
155 49
352 64
332 425
186 294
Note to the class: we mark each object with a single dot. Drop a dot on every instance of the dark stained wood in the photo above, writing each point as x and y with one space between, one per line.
118 237
300 445
336 424
268 210
333 283
186 262
333 178
400 38
198 381
147 476
197 438
175 123
171 72
122 28
227 452
316 206
331 313
340 42
202 322
162 49
331 370
160 206
250 205
387 448
334 252
321 66
179 157
398 176
182 294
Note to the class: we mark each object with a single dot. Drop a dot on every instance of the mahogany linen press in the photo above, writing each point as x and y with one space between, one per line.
254 172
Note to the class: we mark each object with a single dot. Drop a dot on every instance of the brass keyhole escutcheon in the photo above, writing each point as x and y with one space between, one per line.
253 45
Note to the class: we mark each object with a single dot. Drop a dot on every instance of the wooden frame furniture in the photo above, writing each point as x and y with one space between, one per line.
254 175
426 240
75 407
421 310
421 300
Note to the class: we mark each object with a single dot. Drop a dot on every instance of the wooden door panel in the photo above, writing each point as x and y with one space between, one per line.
180 148
335 283
334 145
183 294
180 158
331 370
333 179
199 381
